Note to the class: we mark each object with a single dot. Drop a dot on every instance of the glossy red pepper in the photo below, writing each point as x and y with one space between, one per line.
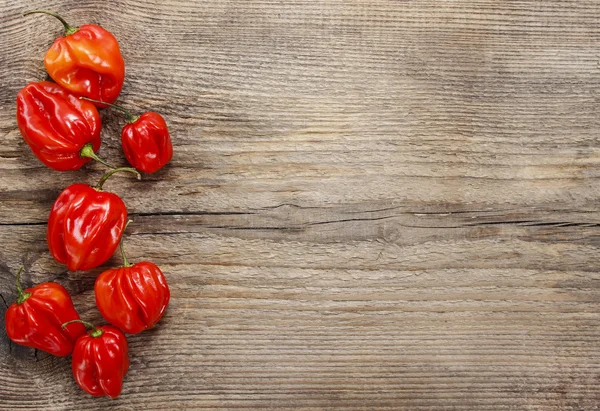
145 139
146 142
100 360
62 130
86 61
132 297
35 319
85 225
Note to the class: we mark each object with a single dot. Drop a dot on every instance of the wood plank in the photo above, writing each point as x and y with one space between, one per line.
371 205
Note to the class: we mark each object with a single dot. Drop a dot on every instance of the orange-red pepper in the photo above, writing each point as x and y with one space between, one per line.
100 360
145 140
35 319
132 297
85 225
62 130
86 61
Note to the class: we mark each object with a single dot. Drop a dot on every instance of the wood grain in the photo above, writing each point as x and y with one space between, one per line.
371 205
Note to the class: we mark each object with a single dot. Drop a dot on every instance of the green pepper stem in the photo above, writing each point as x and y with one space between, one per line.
96 332
125 262
21 296
130 117
68 28
116 170
88 151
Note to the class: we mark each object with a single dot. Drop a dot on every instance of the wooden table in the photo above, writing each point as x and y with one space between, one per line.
371 205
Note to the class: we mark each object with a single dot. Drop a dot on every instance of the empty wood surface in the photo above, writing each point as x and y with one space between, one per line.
371 204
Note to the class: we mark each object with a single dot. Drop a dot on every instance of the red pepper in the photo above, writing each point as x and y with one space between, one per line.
100 360
35 319
62 131
85 225
146 142
86 61
145 139
133 297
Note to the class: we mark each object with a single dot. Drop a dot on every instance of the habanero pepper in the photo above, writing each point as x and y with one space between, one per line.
86 224
87 61
35 319
132 297
100 360
62 130
145 139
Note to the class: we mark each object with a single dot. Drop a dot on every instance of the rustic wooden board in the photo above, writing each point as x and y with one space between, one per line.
372 204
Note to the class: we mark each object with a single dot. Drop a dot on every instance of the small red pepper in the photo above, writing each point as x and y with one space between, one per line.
62 131
35 319
145 139
85 224
86 61
100 360
133 297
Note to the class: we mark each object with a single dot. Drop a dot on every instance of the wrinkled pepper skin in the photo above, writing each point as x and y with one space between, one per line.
100 361
87 63
132 298
85 226
146 142
56 125
36 320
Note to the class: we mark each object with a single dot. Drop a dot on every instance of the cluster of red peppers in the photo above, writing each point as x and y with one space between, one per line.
59 120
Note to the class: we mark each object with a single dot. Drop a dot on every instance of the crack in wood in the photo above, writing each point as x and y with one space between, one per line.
37 223
3 300
256 228
190 213
10 343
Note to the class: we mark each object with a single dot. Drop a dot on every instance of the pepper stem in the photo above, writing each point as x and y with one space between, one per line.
88 151
116 170
130 117
68 28
21 296
96 332
125 262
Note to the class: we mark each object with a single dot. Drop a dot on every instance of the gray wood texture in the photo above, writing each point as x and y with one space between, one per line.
371 205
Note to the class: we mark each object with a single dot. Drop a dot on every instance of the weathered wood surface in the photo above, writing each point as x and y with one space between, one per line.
372 204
